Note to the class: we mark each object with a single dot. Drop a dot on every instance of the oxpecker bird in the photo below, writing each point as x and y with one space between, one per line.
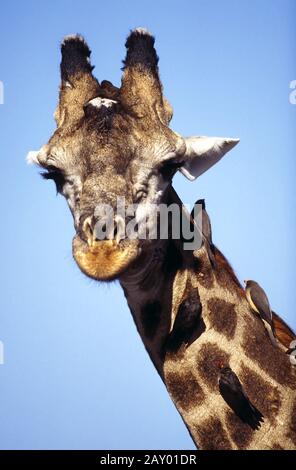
206 232
259 303
188 322
236 398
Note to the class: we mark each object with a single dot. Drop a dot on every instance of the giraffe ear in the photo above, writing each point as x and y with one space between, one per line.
202 153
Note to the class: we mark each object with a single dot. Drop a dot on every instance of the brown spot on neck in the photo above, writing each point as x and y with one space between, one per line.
212 436
208 360
222 316
184 389
276 363
241 433
277 447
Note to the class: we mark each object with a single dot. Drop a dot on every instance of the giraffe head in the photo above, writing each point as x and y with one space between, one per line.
114 144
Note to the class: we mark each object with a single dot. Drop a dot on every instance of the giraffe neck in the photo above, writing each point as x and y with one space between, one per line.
154 287
227 332
148 289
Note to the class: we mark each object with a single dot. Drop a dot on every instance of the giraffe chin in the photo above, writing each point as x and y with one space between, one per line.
104 260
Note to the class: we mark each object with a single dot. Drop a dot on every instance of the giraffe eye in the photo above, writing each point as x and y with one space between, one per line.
56 175
168 169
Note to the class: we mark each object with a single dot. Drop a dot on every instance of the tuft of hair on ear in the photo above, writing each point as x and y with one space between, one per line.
140 49
139 34
75 56
32 157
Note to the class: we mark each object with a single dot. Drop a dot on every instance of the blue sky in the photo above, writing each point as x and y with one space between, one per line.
76 374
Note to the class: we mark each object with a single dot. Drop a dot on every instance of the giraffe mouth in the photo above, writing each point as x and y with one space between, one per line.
105 260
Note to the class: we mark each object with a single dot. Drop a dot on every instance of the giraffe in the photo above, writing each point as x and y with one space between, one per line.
112 142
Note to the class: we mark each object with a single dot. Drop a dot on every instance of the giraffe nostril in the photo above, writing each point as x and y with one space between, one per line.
87 226
140 195
140 192
119 228
87 230
108 228
102 228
